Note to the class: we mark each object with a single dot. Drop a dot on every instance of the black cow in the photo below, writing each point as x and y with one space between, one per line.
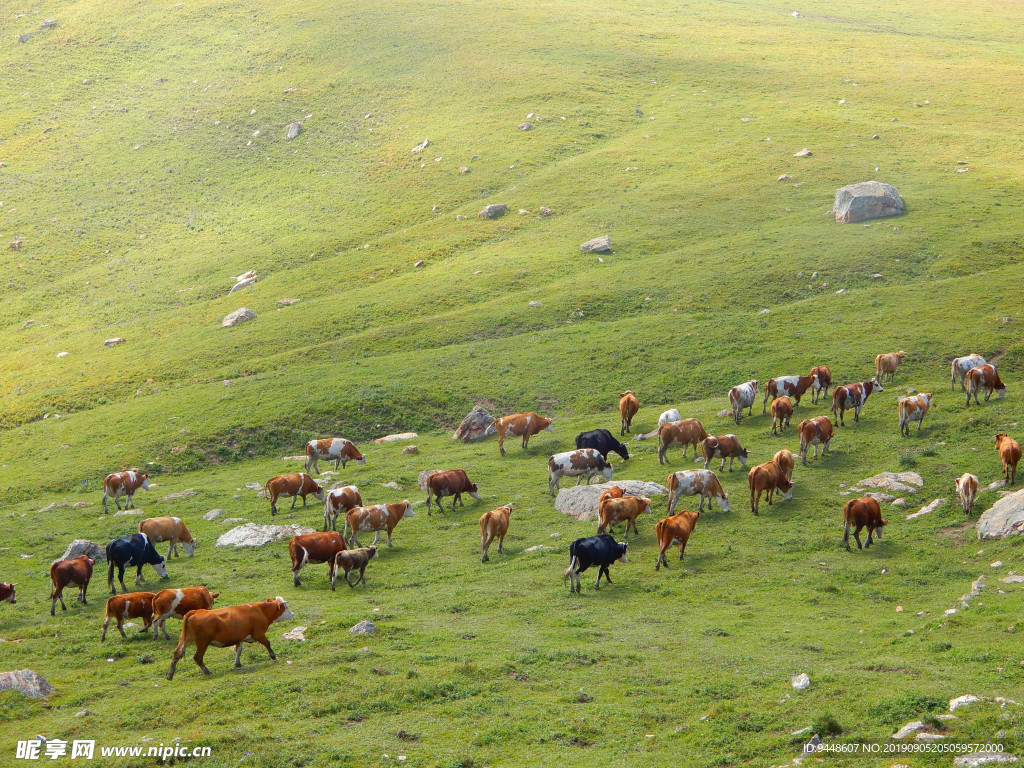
135 550
603 441
600 550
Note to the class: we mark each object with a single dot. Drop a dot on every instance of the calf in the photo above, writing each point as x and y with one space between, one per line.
525 425
723 447
685 432
494 525
337 501
959 368
314 548
984 377
913 408
133 605
7 593
294 485
124 484
603 441
178 602
628 406
672 414
336 449
696 482
169 529
673 529
742 396
792 386
1009 453
782 412
858 513
820 387
229 626
353 560
853 396
454 483
787 462
382 517
624 509
76 571
967 490
886 365
135 550
586 463
601 551
816 431
766 478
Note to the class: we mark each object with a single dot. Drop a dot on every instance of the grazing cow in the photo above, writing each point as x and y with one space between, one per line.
967 490
696 482
178 602
787 462
454 483
135 550
766 478
353 560
382 517
853 396
959 368
494 525
1009 453
124 484
7 593
586 463
820 387
816 431
673 529
520 424
133 605
913 408
858 513
886 365
602 440
336 449
76 571
723 447
601 551
628 406
312 549
791 386
338 500
672 414
685 432
169 529
984 377
782 412
623 509
294 485
742 396
229 626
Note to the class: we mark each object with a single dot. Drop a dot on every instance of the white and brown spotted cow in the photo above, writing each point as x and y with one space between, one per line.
960 366
584 463
672 414
337 501
967 491
984 377
295 484
787 386
742 396
336 449
816 431
685 432
782 412
524 425
823 383
178 602
886 365
170 529
381 517
913 408
124 484
723 447
852 397
696 482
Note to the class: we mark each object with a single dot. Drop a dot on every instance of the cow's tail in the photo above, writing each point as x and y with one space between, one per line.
186 635
572 568
53 585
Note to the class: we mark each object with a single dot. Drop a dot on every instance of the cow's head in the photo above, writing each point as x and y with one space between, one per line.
190 547
473 491
372 550
550 424
10 597
361 459
1000 438
1001 390
213 595
901 354
145 481
622 552
873 386
784 485
723 501
160 566
607 472
407 511
286 612
879 527
622 450
318 491
753 384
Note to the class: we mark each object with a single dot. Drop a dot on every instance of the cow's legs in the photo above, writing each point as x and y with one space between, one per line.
238 655
389 536
81 592
501 543
868 544
198 657
856 535
53 605
129 501
501 444
294 499
120 628
376 537
526 440
661 559
138 575
458 498
336 463
846 536
117 500
261 638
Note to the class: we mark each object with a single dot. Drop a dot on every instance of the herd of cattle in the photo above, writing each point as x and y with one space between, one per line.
203 626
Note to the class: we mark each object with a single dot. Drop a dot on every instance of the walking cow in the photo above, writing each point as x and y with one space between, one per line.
124 484
77 571
628 406
136 550
601 551
336 449
525 425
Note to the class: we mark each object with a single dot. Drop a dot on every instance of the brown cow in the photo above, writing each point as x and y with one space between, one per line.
494 525
294 485
131 605
853 396
353 560
516 424
673 529
858 513
229 626
792 386
886 365
723 447
382 517
124 484
787 462
628 406
178 602
766 478
454 483
1009 453
696 482
624 509
7 593
76 571
984 377
169 529
816 431
337 500
913 409
967 490
314 548
336 449
782 412
824 381
685 432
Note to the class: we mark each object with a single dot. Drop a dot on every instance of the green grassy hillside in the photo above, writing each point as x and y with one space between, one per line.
145 164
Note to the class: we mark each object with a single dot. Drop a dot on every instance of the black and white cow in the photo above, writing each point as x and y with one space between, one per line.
135 550
602 441
587 463
853 396
600 551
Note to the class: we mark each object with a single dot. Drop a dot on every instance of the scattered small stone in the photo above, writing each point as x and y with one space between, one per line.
113 342
213 514
724 414
545 211
801 681
294 130
418 264
392 485
421 147
48 24
363 628
238 316
927 510
410 449
288 302
805 152
997 564
601 244
536 548
493 211
765 311
526 127
296 634
534 303
463 169
975 759
785 177
909 729
82 713
523 211
26 681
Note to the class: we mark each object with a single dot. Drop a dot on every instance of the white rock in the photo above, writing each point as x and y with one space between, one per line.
580 501
929 737
294 130
296 634
253 535
601 244
997 564
238 316
963 701
801 681
908 729
421 147
1004 518
805 152
213 514
927 510
900 482
113 342
80 547
363 628
396 437
62 354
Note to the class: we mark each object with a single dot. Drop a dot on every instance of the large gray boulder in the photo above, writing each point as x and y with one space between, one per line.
476 426
580 501
866 200
602 244
27 682
253 535
1004 518
899 482
493 211
238 316
80 547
